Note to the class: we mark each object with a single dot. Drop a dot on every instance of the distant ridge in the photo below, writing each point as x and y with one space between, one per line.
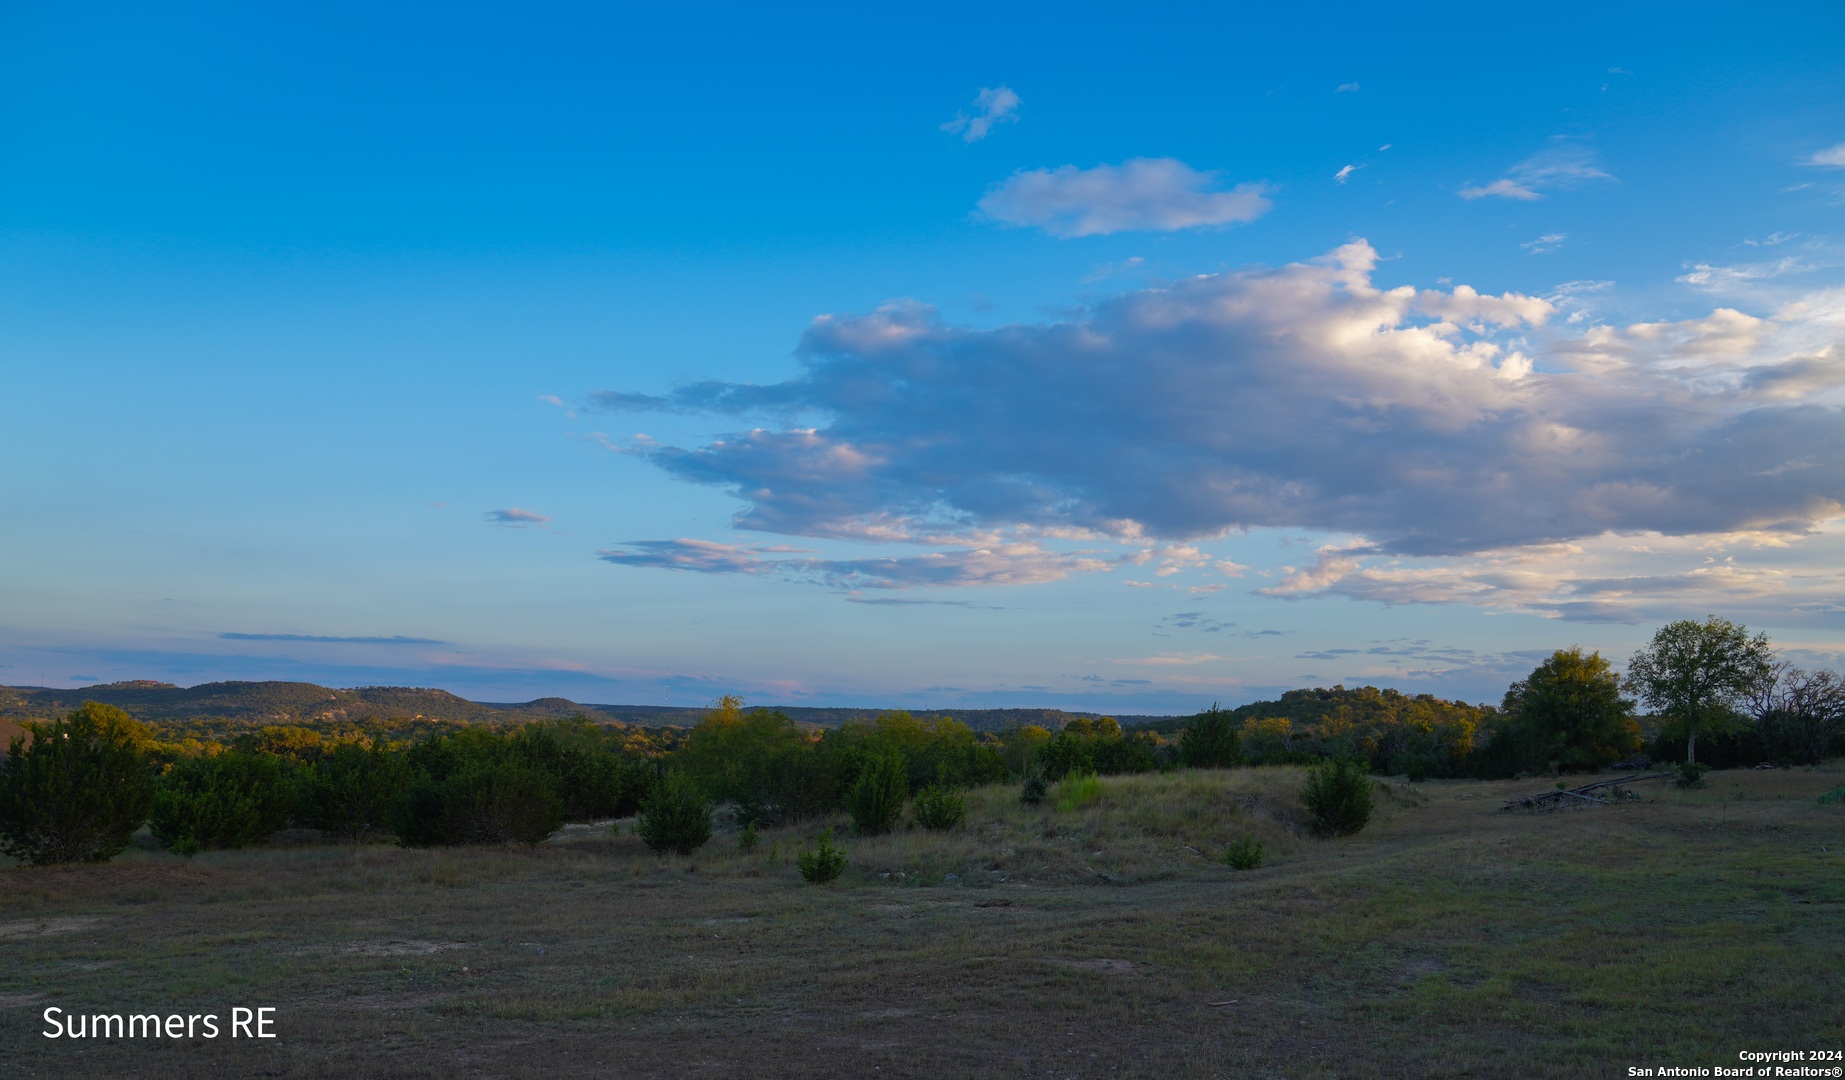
259 703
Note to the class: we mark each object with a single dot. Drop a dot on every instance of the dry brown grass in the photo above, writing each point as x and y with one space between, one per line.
1446 940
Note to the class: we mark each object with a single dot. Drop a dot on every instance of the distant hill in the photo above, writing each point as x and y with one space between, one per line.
234 704
1308 707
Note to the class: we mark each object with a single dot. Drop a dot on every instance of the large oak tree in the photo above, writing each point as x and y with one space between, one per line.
1695 674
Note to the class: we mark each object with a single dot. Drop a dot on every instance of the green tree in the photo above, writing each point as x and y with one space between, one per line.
928 748
877 799
1097 745
676 816
1210 741
78 791
762 761
1019 745
481 802
228 800
349 792
596 780
1569 714
1338 797
1696 673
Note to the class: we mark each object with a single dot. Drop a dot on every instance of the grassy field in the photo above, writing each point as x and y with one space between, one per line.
1448 939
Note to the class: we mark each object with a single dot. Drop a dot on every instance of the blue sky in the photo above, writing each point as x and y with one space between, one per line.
1041 356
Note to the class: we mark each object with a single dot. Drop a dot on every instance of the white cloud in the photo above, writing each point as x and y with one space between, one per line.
1130 265
1559 167
1756 576
1435 424
1831 155
1347 88
1545 244
1345 173
1141 195
998 105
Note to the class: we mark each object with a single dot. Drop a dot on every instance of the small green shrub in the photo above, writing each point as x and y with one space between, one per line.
939 807
877 799
1034 790
1338 796
1244 853
1691 774
1078 790
231 800
78 791
747 839
1837 794
676 816
823 862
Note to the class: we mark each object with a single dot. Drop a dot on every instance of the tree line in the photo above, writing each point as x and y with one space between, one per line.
78 787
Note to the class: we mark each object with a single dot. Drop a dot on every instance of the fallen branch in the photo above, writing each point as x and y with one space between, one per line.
1550 800
1625 780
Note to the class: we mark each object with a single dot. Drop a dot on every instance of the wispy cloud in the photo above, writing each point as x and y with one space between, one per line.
1013 564
896 601
697 556
1347 88
515 518
1141 195
1717 278
1197 620
1831 156
1345 173
1545 244
997 105
558 403
1560 167
1576 299
395 639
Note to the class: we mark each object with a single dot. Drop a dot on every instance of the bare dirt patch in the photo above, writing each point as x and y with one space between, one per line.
35 928
403 947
